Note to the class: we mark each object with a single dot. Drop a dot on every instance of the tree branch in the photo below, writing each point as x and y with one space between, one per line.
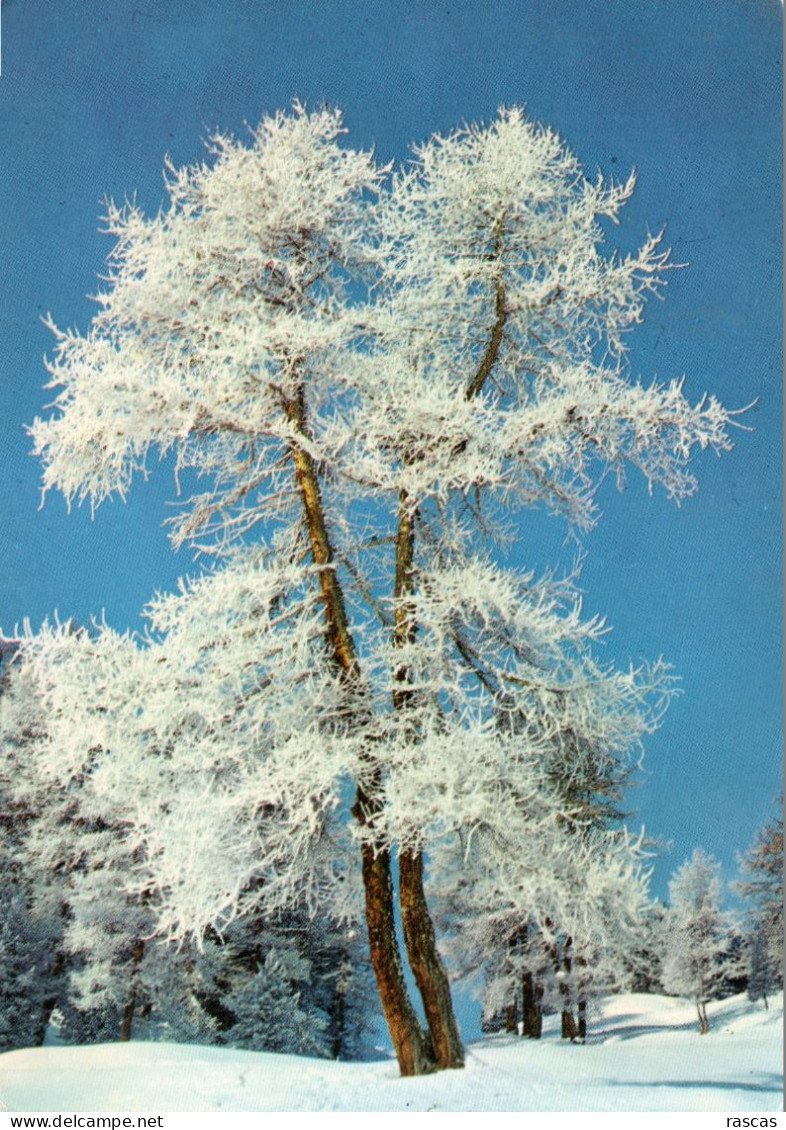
492 350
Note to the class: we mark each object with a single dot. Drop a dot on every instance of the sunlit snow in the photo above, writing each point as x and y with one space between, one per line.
647 1055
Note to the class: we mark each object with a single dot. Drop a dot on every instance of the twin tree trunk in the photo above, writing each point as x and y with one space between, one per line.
424 960
416 1051
441 1047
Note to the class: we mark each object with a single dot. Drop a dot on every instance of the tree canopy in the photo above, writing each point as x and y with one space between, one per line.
366 376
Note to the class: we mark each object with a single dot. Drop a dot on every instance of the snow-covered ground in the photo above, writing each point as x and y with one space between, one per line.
647 1056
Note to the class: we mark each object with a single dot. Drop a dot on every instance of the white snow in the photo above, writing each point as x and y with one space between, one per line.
647 1055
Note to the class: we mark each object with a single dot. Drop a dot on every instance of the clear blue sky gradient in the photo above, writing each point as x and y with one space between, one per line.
93 94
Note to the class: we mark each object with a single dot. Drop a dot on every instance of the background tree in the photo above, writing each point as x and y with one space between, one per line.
762 865
642 964
369 371
697 934
32 905
78 933
764 972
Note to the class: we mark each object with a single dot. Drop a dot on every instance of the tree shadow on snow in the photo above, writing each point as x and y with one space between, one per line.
771 1084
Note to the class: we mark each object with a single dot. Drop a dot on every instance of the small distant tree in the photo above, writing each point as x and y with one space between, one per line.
762 886
764 971
370 372
696 935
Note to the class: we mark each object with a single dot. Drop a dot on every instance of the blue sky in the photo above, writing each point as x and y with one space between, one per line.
93 94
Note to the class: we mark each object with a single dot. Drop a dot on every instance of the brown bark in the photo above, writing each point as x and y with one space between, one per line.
338 633
511 1024
426 964
492 350
419 938
409 1042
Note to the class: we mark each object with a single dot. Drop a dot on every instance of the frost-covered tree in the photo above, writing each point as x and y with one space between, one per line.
69 850
697 933
32 963
64 866
372 372
292 985
764 971
642 962
589 770
762 866
581 908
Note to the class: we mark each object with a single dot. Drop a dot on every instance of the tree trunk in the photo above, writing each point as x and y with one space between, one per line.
426 964
532 1014
410 1045
127 1021
511 1024
701 1004
569 1027
338 1010
419 937
409 1041
581 962
128 1018
539 993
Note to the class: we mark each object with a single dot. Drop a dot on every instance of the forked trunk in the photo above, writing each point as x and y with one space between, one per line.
426 964
419 937
409 1042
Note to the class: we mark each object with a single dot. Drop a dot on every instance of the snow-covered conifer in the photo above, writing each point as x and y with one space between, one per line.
763 969
695 960
762 866
642 962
